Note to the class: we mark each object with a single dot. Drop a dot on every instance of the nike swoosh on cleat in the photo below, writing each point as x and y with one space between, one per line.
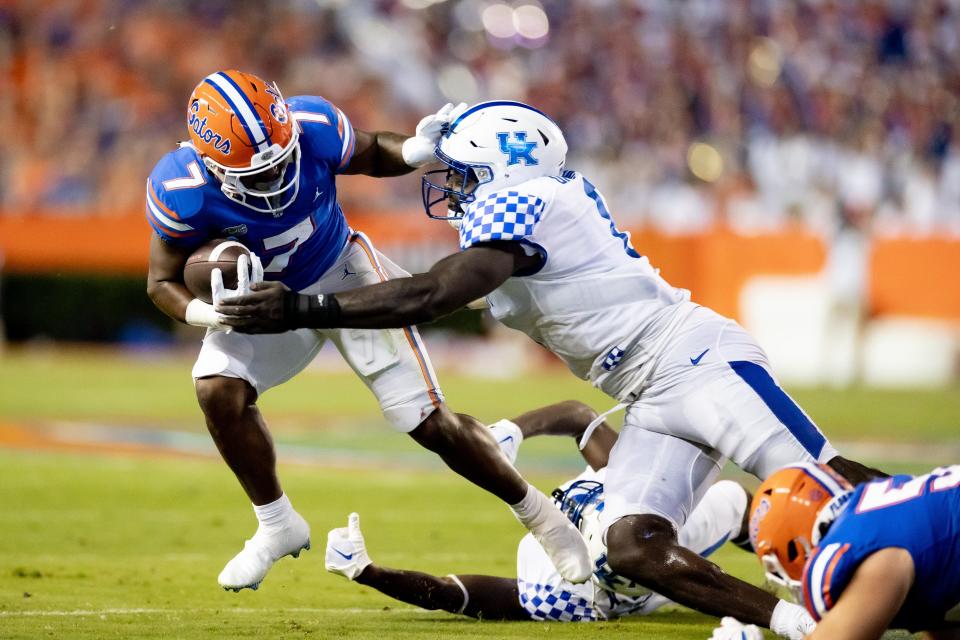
507 439
696 361
342 554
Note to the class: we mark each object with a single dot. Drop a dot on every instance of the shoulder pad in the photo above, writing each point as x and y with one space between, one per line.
175 194
327 128
507 214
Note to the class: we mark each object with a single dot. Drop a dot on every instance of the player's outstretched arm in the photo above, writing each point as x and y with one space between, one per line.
449 285
570 418
383 154
378 154
476 596
871 600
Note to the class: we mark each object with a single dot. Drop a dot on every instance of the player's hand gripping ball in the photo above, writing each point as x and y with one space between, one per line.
221 264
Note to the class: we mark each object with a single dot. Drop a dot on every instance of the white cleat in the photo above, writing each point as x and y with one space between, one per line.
248 568
560 539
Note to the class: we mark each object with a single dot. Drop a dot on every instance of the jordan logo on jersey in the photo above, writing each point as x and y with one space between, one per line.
519 149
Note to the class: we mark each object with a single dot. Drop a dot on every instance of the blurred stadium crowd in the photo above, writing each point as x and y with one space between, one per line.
757 114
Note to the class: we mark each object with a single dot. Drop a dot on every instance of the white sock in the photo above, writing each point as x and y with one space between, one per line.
791 621
528 508
274 513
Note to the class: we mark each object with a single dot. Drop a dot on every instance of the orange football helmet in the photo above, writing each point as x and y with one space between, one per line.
791 511
243 131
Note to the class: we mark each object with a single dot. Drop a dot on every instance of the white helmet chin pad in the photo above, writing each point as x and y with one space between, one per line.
494 145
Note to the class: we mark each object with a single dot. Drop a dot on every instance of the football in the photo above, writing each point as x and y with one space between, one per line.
216 254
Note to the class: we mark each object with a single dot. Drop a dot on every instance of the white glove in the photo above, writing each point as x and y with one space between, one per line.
346 550
508 436
418 150
249 271
733 629
201 314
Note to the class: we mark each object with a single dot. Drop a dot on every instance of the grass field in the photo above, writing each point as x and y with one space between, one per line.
105 544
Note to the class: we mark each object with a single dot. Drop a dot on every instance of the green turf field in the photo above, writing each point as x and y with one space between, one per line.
129 546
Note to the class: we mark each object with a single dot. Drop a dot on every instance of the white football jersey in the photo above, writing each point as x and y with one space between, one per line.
594 301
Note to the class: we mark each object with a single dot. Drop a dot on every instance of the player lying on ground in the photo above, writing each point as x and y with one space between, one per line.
538 592
262 171
883 555
540 244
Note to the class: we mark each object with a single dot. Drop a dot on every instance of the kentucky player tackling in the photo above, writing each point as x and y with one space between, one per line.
540 244
261 170
538 592
886 554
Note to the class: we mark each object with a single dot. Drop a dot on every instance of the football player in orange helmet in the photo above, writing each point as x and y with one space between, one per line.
883 554
261 170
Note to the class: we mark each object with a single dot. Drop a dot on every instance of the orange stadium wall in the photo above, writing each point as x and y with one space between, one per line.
911 277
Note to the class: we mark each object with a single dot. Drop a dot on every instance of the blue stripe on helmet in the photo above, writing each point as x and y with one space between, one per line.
494 103
263 128
243 122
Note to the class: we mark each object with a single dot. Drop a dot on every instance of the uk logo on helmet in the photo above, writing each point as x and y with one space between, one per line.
518 149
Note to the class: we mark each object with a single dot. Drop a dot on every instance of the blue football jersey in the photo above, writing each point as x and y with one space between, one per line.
919 514
186 207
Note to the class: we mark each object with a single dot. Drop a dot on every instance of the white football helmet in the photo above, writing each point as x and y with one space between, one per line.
582 502
491 146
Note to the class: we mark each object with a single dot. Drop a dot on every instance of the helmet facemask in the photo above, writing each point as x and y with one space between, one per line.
269 185
459 187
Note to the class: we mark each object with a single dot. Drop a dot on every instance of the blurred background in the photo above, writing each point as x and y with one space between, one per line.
795 164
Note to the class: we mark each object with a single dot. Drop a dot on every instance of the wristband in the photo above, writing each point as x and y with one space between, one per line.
201 314
311 312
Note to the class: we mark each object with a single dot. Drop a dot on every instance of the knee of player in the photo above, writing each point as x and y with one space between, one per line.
439 430
638 547
223 399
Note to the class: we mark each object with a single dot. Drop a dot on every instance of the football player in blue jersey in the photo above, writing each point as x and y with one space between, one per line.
262 170
883 555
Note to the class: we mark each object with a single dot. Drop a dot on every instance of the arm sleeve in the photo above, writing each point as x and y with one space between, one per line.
330 136
504 215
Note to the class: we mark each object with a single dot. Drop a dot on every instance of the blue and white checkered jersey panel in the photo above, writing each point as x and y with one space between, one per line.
544 594
544 602
503 215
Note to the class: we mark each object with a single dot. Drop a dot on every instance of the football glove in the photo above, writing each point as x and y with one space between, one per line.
418 150
249 271
508 436
346 550
733 629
